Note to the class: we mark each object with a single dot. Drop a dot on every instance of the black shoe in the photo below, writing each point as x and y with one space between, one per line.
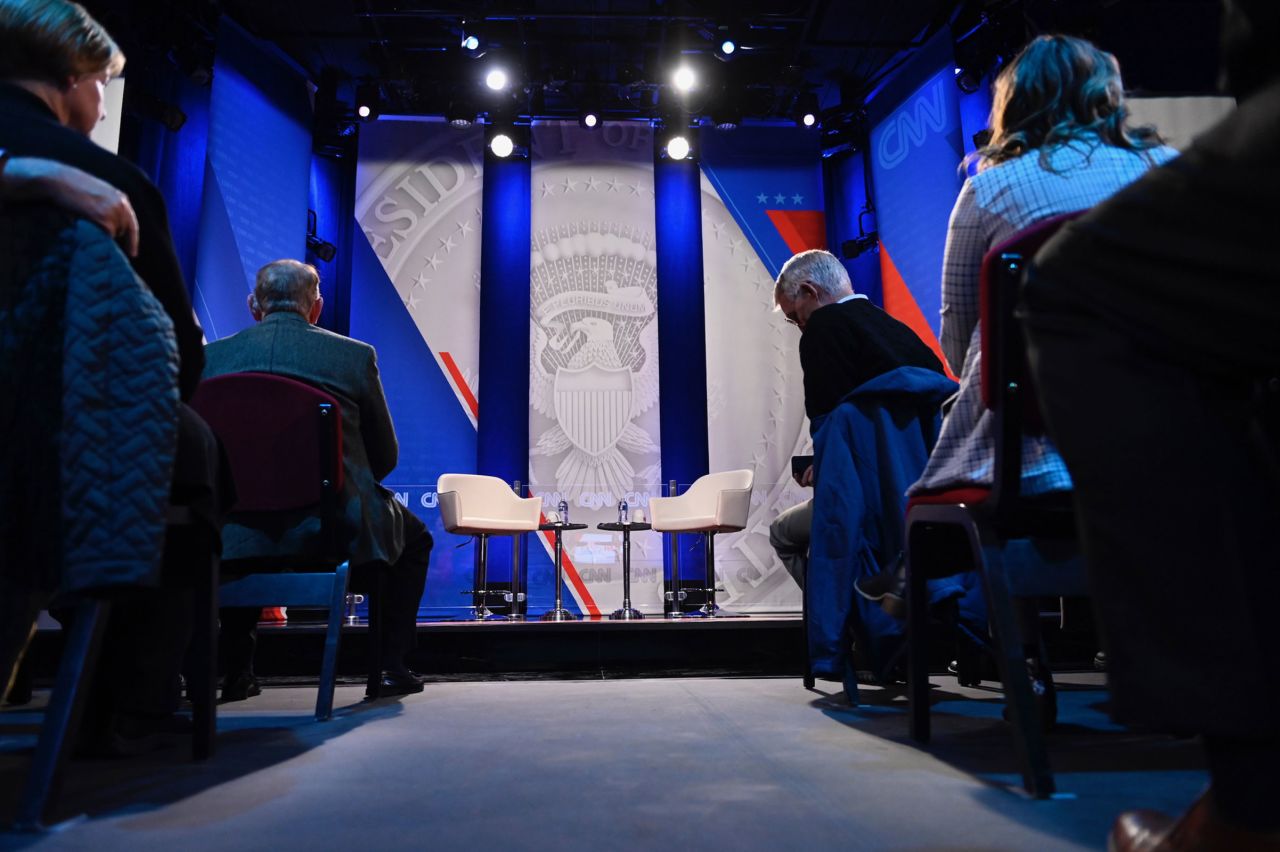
888 588
396 683
240 687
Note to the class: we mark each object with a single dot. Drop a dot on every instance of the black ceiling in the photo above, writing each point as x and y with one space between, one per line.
616 54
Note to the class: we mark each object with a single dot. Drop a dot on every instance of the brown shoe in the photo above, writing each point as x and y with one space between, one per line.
1200 829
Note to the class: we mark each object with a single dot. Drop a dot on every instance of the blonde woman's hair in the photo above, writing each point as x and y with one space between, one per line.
52 41
1057 90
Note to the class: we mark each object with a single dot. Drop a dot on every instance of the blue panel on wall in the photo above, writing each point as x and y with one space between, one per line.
916 149
434 433
259 155
759 169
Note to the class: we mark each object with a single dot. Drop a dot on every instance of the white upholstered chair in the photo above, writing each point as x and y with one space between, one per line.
471 504
717 502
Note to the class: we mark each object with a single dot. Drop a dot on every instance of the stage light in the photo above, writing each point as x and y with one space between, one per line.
322 249
684 79
590 120
367 101
727 48
470 43
806 109
677 148
496 79
501 145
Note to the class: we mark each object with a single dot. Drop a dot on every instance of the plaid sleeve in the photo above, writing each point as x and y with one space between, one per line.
967 241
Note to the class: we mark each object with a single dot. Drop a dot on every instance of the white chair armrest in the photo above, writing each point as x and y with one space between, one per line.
733 508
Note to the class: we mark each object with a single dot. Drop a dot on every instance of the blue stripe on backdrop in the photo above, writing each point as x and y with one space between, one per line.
435 434
682 373
255 197
503 424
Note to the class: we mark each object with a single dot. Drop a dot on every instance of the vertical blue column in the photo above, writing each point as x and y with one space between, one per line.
502 440
332 197
682 341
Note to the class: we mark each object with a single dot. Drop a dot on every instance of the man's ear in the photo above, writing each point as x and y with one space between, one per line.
252 302
314 315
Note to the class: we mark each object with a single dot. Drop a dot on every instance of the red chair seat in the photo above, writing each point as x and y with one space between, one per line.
953 496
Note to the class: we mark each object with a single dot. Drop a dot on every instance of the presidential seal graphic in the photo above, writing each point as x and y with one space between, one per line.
594 368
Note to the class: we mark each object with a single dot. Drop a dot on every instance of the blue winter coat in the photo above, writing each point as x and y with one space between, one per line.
867 451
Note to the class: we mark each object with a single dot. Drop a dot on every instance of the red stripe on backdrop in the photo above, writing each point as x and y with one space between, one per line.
800 229
902 306
460 383
571 573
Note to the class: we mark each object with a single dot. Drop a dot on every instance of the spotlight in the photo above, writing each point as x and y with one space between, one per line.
367 101
496 79
684 79
806 109
471 42
728 47
590 119
677 148
501 145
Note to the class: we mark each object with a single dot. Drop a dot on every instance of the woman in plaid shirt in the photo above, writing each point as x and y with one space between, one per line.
1059 143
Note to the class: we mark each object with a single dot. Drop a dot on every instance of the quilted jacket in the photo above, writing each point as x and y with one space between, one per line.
88 409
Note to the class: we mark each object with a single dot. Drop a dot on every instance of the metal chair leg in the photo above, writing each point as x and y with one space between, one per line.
62 719
332 639
483 613
917 651
1028 735
202 684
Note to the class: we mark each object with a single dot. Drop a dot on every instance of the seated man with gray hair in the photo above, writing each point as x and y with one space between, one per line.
286 302
845 341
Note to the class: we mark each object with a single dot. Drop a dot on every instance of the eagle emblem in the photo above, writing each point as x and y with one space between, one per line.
594 368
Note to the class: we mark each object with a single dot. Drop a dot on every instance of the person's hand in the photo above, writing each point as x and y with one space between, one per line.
806 478
77 191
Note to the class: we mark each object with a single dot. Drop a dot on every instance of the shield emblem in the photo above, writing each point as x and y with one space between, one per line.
593 405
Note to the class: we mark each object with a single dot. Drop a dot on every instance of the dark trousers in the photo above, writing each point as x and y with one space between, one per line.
402 584
1178 500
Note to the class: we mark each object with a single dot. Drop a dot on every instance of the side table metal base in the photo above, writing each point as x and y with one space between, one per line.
483 613
626 615
561 614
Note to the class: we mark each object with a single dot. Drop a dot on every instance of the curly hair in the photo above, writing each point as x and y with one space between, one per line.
53 41
1057 90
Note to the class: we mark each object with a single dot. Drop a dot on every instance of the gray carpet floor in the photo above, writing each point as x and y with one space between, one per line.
683 763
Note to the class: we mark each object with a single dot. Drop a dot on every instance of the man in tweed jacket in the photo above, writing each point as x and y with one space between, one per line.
286 302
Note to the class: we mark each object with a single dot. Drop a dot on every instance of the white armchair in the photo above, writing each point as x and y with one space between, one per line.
717 502
471 504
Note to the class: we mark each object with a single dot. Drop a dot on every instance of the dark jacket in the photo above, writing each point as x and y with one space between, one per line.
866 452
848 344
30 129
88 409
286 344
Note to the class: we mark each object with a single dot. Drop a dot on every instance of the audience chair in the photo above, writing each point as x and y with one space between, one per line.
75 674
484 506
715 503
283 439
1023 548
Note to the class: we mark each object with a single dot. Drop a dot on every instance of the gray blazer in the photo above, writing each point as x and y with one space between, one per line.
286 344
